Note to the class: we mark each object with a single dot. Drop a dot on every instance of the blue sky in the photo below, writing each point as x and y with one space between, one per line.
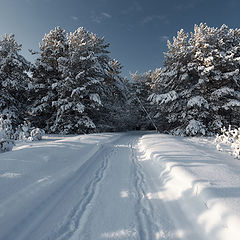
136 29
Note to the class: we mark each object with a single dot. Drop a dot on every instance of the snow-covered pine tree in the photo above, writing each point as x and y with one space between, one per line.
201 81
71 79
175 85
78 90
13 80
88 74
46 76
216 60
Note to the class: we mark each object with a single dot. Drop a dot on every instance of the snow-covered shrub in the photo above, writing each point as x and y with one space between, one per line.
6 143
195 128
236 146
231 138
25 132
22 132
36 134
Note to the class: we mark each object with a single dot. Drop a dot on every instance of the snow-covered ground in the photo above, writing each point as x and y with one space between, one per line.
132 185
197 185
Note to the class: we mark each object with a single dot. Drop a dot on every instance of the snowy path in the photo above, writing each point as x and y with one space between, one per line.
115 186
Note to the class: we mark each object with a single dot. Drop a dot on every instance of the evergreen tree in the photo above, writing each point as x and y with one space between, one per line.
217 53
174 84
72 81
200 81
13 80
46 76
82 84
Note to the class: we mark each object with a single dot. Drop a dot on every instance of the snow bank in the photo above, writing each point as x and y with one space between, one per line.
203 182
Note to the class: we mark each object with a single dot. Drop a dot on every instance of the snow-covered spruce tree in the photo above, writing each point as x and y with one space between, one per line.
45 77
13 80
201 81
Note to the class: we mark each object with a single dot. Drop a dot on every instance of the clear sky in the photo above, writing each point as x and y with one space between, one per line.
136 29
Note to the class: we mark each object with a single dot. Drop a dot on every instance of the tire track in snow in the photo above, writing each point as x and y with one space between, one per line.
41 211
76 220
48 205
144 208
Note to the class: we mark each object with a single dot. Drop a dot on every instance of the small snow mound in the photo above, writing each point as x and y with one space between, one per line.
36 134
123 233
10 175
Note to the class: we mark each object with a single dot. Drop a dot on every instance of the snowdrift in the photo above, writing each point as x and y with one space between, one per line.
203 183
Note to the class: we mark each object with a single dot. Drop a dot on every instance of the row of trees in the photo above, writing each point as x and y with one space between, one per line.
198 90
74 79
74 86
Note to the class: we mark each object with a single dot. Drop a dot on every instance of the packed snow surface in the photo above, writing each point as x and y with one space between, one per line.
119 186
